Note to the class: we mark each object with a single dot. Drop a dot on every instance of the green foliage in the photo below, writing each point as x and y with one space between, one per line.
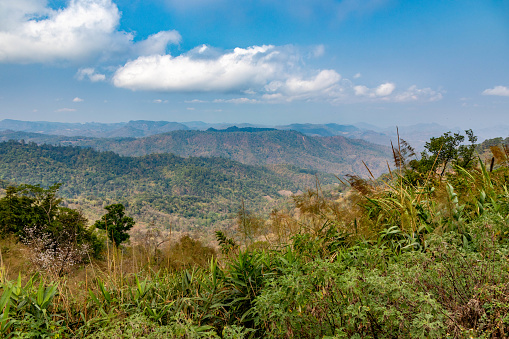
34 209
203 190
443 151
27 310
115 223
227 245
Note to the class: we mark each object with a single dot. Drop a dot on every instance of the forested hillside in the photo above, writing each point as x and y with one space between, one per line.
337 155
157 187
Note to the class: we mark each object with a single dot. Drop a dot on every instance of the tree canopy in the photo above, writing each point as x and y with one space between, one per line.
116 223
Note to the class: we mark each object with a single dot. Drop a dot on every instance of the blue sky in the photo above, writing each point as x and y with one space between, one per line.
384 62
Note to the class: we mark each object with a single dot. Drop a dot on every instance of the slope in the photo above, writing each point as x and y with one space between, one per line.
164 186
337 154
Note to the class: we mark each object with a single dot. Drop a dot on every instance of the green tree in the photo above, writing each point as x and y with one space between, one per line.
116 223
28 206
445 150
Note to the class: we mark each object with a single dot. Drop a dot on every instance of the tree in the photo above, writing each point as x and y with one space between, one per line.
28 206
116 224
445 150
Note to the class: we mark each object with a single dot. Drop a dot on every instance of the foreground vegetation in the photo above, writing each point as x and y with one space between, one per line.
422 252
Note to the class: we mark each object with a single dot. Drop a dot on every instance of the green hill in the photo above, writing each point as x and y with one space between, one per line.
160 187
337 155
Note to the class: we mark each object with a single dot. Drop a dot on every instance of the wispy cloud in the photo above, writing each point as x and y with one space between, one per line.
237 101
381 91
66 110
90 74
497 90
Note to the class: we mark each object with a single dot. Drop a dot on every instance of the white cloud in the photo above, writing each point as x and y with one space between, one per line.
36 33
237 101
413 93
361 90
240 69
323 80
258 70
160 101
268 73
357 76
385 89
322 85
66 110
90 74
157 43
381 91
497 90
387 92
77 100
32 32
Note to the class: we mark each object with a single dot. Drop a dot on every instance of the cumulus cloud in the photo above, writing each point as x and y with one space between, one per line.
77 100
263 73
239 69
35 33
90 74
385 89
322 84
274 73
497 90
381 91
31 32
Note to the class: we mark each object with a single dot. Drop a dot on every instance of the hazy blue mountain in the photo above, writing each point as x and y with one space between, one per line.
139 128
416 134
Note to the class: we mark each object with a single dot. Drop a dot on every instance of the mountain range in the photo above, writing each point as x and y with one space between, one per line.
416 135
336 154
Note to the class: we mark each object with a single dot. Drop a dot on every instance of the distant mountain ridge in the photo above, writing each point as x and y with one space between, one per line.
416 135
136 129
